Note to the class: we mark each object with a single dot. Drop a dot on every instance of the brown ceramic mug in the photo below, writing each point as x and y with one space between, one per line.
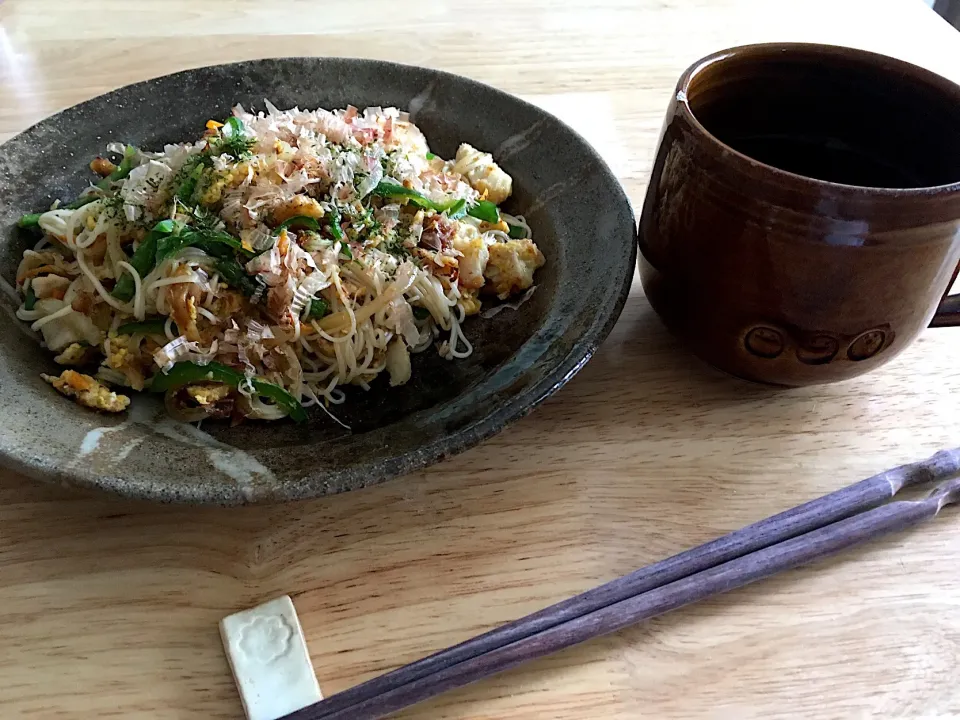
802 222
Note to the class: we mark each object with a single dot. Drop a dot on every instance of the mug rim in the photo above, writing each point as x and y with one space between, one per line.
877 61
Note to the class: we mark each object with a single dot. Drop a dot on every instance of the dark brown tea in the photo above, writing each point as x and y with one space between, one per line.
849 125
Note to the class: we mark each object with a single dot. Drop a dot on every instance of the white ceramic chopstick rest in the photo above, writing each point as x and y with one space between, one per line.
269 659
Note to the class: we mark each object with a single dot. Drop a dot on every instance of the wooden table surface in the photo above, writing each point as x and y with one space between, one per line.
109 608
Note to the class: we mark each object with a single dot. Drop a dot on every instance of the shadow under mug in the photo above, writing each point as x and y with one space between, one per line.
802 222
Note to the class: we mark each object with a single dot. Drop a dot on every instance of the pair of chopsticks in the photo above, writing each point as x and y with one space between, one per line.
805 533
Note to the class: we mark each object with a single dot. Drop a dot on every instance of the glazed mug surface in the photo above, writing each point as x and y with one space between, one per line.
802 221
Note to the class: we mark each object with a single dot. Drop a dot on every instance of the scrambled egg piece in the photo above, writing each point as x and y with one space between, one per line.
119 352
120 358
511 266
298 205
475 256
87 391
74 354
483 174
469 302
284 150
211 190
208 394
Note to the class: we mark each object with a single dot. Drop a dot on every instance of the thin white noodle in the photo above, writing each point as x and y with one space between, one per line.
456 335
212 292
518 220
208 315
73 289
332 416
139 301
107 297
168 329
27 315
192 278
66 310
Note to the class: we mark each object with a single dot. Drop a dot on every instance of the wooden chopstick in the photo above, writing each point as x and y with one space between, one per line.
810 531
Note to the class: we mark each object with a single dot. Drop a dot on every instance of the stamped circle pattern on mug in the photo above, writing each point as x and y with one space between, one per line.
769 342
818 349
764 342
867 345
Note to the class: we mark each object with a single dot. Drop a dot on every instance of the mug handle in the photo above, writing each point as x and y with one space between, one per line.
948 312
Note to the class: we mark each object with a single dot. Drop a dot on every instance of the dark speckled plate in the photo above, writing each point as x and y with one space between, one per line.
579 214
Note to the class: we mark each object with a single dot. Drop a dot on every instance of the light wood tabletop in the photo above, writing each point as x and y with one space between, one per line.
109 608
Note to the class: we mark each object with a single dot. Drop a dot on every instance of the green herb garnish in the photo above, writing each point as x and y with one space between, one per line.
233 140
516 232
30 299
318 308
188 184
334 226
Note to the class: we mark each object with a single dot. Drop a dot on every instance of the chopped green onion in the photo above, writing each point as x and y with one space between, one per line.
235 125
156 326
233 274
185 373
318 308
30 300
301 221
335 228
389 189
123 169
81 201
32 220
457 210
431 156
144 259
486 211
346 251
516 232
29 221
482 210
213 242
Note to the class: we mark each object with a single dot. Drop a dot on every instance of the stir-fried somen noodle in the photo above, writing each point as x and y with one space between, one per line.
257 271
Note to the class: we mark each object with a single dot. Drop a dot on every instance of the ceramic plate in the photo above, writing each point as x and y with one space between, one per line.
580 217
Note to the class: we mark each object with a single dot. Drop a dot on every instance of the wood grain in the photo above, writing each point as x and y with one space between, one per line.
110 608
